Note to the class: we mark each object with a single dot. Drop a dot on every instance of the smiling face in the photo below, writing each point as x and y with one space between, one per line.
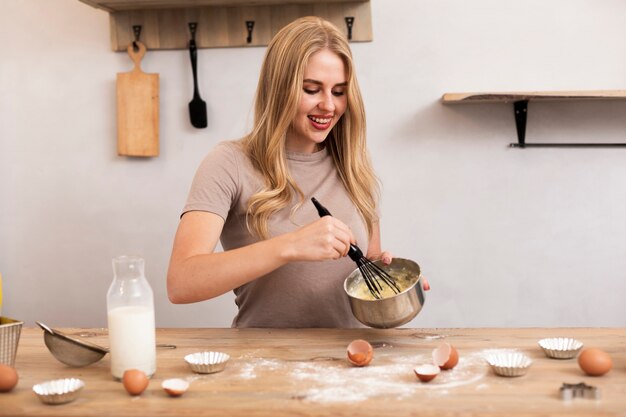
322 103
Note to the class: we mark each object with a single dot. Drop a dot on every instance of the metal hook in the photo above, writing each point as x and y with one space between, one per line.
192 29
249 26
349 23
137 32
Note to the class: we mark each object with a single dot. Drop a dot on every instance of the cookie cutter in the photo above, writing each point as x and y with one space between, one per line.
581 390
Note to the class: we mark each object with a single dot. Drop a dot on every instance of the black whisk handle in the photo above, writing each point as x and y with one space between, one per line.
354 252
321 210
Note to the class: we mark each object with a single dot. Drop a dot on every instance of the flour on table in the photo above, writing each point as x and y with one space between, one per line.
392 377
389 375
248 370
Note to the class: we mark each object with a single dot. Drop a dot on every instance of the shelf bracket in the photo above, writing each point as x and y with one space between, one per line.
520 108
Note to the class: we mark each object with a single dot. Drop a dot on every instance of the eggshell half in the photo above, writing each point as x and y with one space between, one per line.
175 387
360 352
445 356
426 372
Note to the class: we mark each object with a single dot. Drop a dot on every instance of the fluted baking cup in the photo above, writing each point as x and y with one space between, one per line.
207 362
560 347
59 391
509 363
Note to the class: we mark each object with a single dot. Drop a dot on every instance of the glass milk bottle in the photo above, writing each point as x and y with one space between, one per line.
130 307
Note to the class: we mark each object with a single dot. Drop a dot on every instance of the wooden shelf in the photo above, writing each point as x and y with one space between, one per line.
487 97
125 5
520 108
223 23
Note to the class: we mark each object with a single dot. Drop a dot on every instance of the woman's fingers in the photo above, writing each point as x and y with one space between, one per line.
326 238
425 284
386 257
340 234
342 248
338 248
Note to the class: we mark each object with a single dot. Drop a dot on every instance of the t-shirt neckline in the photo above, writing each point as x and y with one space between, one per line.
307 157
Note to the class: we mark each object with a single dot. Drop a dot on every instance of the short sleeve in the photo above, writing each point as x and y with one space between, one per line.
215 186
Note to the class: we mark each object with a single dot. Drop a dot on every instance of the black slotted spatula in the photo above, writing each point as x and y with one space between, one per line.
197 106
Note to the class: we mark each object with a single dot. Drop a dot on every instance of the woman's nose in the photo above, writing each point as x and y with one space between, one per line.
327 103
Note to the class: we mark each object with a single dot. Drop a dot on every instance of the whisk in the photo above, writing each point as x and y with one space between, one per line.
372 274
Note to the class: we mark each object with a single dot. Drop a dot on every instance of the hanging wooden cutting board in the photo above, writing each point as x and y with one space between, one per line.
137 109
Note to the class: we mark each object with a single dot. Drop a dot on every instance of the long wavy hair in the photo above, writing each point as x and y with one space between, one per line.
277 98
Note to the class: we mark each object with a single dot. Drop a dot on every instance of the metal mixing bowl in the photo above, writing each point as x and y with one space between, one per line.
392 311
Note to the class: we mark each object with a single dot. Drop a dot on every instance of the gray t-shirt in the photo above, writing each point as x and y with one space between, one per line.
299 294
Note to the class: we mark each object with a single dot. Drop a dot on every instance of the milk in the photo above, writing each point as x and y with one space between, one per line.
132 340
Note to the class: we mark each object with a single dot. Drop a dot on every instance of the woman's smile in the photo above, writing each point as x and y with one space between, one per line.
321 122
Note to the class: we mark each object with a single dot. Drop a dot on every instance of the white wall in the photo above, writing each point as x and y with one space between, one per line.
507 237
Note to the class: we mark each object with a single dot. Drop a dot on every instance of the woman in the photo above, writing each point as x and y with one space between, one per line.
285 264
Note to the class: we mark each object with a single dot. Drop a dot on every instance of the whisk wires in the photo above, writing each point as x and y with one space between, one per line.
372 274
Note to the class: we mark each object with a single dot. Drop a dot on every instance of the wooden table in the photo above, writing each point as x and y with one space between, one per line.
304 373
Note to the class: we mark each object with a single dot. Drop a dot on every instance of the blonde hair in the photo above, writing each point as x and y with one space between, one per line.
277 98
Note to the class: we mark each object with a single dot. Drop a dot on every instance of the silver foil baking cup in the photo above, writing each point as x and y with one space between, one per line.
509 363
560 347
59 391
207 362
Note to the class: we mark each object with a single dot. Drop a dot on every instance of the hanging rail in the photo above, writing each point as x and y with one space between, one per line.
234 23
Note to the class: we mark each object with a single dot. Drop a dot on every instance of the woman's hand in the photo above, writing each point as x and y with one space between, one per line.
326 238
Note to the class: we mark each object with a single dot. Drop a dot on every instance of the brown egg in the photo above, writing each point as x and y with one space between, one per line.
135 381
445 356
594 362
360 352
426 372
8 378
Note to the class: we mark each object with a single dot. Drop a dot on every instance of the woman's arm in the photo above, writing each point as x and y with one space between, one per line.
196 273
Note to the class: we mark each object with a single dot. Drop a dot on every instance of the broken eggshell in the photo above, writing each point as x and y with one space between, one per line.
445 356
426 372
175 387
360 352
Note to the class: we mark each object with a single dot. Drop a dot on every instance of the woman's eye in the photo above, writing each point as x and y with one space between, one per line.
315 91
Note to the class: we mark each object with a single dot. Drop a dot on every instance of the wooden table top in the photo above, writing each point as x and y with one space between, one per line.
292 372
